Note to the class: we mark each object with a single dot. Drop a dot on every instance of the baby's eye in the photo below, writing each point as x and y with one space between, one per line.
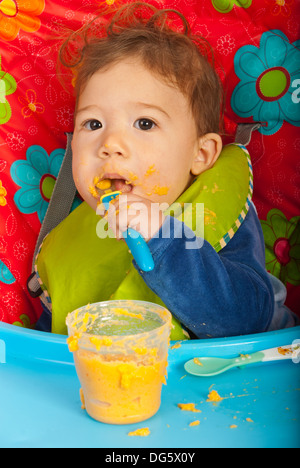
92 125
144 124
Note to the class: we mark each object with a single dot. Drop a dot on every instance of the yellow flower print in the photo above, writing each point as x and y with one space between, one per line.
281 7
3 194
30 104
19 14
110 3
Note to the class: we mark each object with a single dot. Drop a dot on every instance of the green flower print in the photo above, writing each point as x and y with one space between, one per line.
24 321
225 6
8 86
282 238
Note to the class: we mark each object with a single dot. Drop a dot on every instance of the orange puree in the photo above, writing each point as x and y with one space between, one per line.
161 190
144 431
194 423
93 191
214 396
120 353
132 179
150 170
198 362
120 389
188 407
120 311
284 351
73 342
103 184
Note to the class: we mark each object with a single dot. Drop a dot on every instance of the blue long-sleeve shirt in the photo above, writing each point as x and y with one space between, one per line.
214 294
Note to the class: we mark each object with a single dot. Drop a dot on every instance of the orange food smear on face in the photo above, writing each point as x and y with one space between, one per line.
93 191
161 190
151 170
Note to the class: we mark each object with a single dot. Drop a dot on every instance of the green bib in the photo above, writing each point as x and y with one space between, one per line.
75 267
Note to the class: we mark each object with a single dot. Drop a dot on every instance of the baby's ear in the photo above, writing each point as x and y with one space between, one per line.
208 151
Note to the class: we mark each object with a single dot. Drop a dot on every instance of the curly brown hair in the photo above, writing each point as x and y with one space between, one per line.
165 47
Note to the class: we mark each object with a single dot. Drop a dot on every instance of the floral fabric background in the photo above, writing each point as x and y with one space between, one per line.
257 43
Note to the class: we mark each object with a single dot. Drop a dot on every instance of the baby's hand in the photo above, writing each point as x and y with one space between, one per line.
132 211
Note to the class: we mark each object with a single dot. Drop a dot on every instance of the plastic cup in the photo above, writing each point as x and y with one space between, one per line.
120 353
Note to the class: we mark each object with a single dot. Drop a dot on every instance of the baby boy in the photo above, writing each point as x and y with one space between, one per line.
147 124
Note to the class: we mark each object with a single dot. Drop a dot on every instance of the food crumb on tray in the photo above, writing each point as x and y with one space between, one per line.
194 423
188 407
214 396
143 432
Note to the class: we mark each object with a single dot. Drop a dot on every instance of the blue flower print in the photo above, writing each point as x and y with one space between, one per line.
6 276
36 176
268 76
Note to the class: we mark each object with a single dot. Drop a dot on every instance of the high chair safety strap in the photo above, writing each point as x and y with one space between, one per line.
244 132
59 207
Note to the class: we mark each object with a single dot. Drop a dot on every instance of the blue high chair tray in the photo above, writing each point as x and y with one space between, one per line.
40 404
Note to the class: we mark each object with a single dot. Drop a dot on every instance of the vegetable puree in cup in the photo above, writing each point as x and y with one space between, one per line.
120 353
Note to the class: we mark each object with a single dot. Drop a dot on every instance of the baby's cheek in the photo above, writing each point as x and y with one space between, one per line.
80 184
152 184
83 185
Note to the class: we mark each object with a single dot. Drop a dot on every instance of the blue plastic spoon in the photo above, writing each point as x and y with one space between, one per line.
135 241
210 366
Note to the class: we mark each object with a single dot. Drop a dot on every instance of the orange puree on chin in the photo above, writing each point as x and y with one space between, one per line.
119 391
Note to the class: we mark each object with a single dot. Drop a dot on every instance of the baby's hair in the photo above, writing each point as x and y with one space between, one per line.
154 36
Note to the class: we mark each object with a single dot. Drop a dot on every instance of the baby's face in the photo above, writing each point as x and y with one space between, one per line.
134 129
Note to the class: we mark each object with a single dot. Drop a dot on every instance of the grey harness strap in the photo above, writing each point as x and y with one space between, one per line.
244 132
59 207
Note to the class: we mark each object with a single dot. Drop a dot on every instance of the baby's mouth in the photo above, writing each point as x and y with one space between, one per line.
110 183
121 185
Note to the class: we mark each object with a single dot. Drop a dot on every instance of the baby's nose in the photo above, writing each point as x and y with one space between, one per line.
112 149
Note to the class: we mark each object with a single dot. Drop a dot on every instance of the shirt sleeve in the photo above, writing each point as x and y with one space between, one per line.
213 294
